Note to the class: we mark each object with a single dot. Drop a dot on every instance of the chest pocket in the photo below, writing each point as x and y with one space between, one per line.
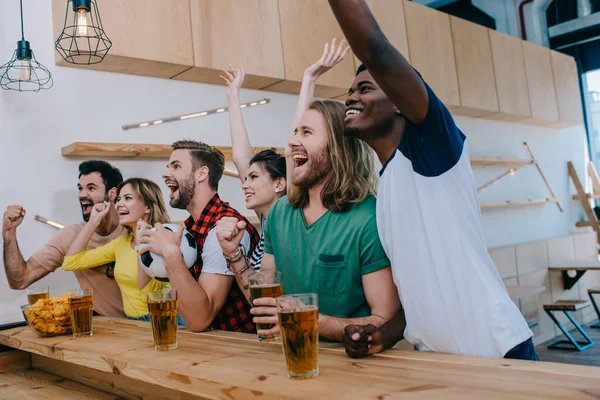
332 275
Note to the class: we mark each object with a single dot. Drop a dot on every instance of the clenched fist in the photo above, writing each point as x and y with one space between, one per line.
13 217
229 232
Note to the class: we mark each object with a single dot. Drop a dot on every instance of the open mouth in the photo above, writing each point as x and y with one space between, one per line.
123 213
173 187
352 113
86 207
299 159
248 196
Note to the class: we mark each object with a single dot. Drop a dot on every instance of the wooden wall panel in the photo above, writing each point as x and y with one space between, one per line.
540 82
568 93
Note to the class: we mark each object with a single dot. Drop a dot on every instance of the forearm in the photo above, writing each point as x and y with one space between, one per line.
81 241
14 263
393 330
194 304
307 91
333 327
240 143
241 275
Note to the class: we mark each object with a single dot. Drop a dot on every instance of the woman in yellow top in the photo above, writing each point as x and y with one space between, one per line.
136 199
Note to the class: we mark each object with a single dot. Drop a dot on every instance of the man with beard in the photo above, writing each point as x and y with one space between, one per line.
208 293
98 181
453 297
323 235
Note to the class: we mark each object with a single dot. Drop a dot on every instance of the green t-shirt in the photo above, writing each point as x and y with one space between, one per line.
328 257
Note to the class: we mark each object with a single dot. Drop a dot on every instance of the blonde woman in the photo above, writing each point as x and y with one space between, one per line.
137 199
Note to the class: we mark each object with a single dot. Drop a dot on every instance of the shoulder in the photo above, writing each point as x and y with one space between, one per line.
281 206
364 209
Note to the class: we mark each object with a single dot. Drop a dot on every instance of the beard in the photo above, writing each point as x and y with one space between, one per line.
186 193
319 168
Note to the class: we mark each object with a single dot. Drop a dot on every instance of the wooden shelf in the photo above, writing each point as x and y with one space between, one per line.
139 150
515 203
506 162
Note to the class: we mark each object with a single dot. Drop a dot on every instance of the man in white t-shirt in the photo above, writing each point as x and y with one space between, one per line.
428 214
208 293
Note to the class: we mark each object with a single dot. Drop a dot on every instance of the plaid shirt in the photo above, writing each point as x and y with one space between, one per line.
235 314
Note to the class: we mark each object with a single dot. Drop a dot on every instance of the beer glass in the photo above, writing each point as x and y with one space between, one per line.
163 306
81 304
265 284
34 293
299 323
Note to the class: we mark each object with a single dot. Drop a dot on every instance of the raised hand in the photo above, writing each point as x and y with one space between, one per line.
162 241
332 56
13 217
99 212
140 227
229 232
234 78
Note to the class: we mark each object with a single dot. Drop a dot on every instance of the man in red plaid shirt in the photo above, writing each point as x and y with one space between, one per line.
208 293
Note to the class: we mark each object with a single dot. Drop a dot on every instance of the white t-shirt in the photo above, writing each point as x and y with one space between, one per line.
429 222
213 261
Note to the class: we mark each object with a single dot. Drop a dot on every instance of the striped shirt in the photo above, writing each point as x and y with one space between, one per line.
259 250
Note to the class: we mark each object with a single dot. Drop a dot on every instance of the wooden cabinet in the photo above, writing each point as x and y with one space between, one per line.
431 52
566 82
540 82
306 26
240 33
149 37
511 80
474 69
390 17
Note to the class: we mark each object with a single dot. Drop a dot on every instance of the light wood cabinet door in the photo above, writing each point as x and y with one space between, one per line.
306 25
237 32
511 80
149 37
568 92
431 52
540 82
474 69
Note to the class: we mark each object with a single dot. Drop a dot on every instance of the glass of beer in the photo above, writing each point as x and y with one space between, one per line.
81 304
299 323
163 306
34 293
265 284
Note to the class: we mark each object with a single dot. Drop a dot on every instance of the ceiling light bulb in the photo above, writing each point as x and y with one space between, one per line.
83 22
24 70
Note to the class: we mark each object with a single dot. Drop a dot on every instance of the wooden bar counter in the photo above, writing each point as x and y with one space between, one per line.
118 360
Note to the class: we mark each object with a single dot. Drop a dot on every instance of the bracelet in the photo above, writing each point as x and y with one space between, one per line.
235 257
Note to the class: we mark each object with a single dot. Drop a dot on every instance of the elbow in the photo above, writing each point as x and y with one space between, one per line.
197 326
17 285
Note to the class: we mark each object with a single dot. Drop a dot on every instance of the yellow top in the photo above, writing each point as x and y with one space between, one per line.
125 258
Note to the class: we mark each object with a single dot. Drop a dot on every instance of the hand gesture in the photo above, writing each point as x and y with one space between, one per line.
330 58
229 232
361 341
234 78
161 241
99 212
140 228
13 216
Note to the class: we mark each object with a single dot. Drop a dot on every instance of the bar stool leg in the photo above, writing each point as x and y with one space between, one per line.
577 345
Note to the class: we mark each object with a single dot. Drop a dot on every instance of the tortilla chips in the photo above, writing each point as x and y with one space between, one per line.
49 317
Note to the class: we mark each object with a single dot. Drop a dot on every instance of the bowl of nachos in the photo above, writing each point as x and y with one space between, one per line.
49 317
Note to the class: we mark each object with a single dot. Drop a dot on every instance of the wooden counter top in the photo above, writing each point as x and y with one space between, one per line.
119 359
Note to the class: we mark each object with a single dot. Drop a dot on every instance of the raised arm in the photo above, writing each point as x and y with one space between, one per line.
392 72
80 243
240 143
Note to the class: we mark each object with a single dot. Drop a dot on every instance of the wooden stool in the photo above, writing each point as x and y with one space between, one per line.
592 292
566 306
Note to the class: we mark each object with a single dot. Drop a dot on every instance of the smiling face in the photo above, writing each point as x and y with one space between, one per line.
180 179
309 150
90 190
130 207
260 190
370 113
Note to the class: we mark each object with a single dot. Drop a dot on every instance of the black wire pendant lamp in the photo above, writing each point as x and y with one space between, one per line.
83 40
23 72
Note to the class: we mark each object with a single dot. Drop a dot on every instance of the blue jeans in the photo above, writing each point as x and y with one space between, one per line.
523 351
147 319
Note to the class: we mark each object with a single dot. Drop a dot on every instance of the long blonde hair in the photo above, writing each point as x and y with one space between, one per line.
151 195
352 175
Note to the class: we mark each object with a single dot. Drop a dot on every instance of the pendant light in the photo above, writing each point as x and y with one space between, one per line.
82 40
23 72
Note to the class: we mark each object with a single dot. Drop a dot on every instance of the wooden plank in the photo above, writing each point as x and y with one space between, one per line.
431 50
568 94
517 203
474 67
31 384
511 80
14 360
567 305
594 178
232 365
496 161
591 216
577 265
540 83
139 150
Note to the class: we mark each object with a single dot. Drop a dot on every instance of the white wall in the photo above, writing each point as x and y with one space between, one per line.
91 106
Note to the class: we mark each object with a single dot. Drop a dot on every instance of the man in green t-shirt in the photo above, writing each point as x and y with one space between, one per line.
323 235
